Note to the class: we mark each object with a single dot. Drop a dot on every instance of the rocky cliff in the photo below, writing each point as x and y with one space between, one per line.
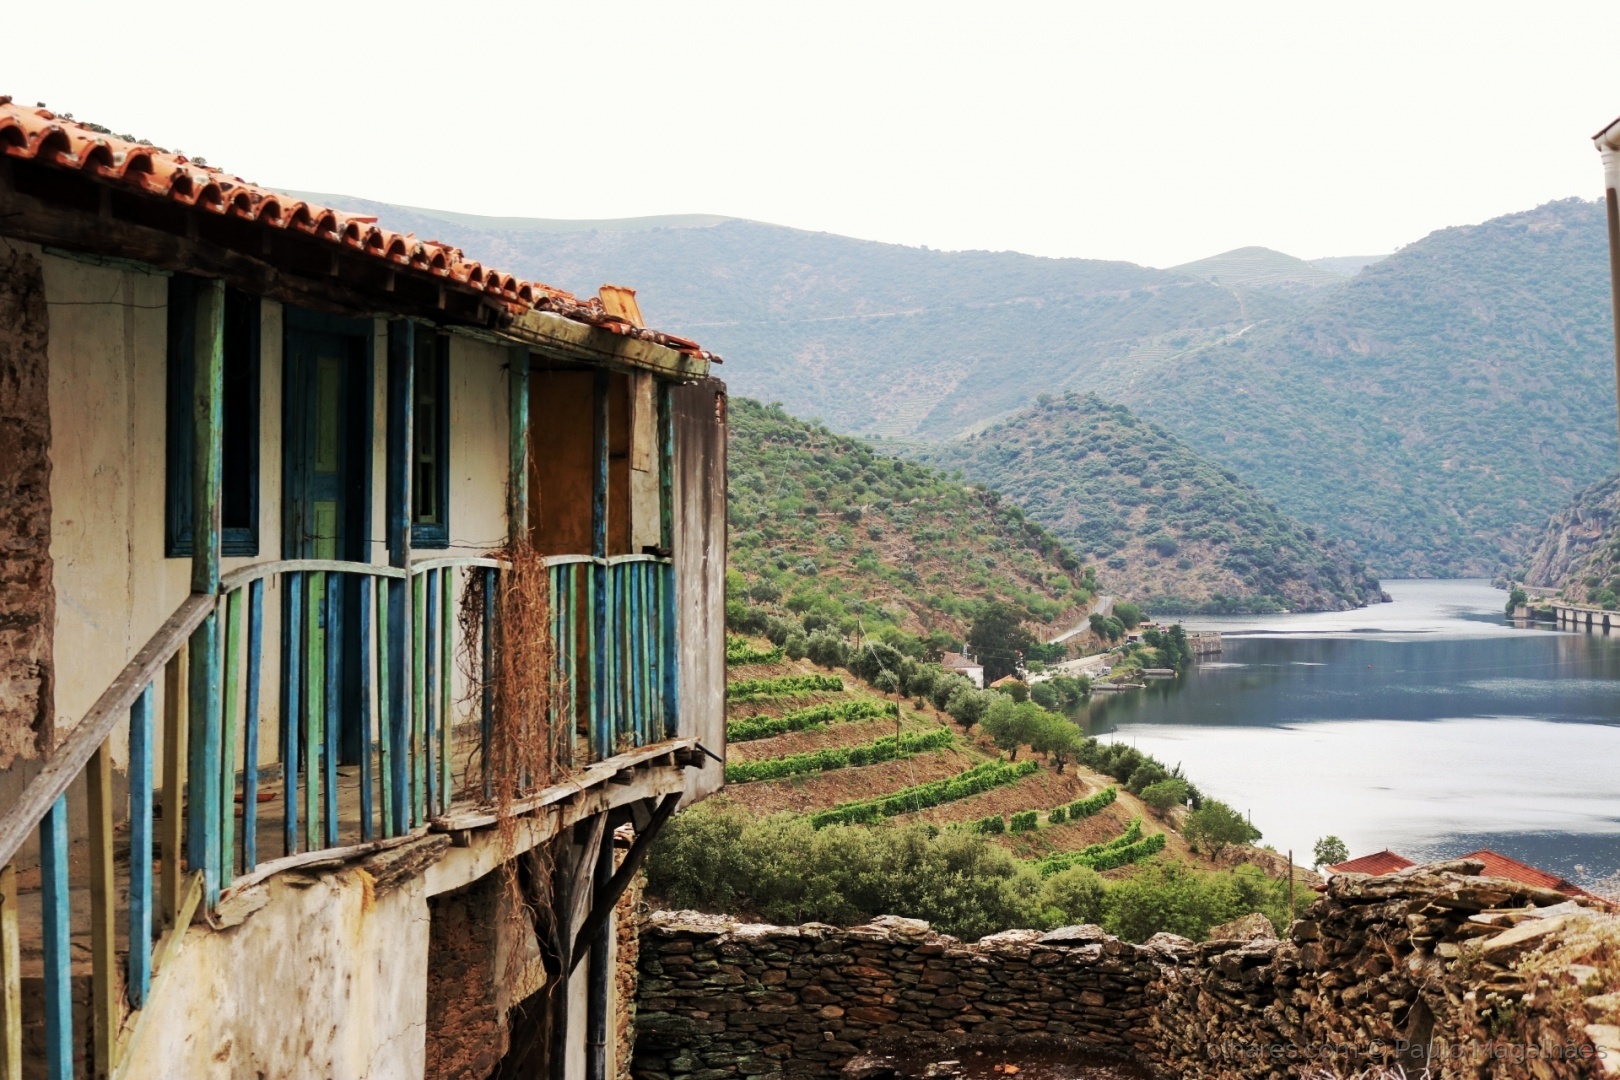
1578 553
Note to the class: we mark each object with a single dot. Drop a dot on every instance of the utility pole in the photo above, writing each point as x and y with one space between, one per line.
1608 145
1290 885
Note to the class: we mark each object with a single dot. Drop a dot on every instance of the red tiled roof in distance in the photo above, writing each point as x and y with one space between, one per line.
40 136
1500 866
1381 862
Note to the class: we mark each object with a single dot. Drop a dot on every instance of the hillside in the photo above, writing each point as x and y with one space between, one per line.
873 339
1264 269
1436 408
820 524
1577 555
1164 525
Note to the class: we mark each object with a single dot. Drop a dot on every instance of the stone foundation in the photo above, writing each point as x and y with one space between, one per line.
1383 972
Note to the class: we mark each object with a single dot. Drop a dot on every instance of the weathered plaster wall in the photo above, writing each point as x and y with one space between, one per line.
114 587
479 444
1429 959
327 979
27 598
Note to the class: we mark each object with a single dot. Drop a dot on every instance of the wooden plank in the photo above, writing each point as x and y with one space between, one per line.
227 742
517 466
207 441
314 587
418 565
397 520
292 673
602 907
165 954
385 724
666 468
58 941
259 571
363 631
672 667
10 978
446 660
175 726
591 776
332 650
111 708
139 966
250 733
418 670
599 475
558 335
486 705
430 690
202 770
305 858
104 997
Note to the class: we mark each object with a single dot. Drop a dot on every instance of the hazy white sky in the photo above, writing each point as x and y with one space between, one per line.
1154 132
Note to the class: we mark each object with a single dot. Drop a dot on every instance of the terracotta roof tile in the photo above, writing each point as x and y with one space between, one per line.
1381 862
1500 866
41 136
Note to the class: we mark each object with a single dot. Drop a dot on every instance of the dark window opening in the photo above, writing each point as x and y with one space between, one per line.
239 465
430 443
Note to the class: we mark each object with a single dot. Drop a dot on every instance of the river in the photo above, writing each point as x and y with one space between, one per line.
1429 725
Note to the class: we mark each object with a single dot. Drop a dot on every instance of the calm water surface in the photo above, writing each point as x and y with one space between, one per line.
1429 725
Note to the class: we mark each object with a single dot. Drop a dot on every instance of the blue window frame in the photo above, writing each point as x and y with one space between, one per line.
239 496
430 442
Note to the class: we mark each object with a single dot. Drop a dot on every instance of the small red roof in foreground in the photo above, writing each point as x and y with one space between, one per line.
1382 862
1500 866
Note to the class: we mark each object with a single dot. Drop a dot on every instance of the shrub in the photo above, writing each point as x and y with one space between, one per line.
1330 851
796 645
826 648
1075 895
838 757
1024 822
967 705
994 825
1161 796
1057 816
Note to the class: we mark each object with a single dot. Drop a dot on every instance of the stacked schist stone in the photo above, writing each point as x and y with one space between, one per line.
1423 969
720 998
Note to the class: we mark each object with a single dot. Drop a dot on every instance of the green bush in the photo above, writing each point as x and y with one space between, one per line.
984 777
810 719
1024 822
994 825
1076 895
723 858
838 757
781 686
1166 793
740 651
1057 816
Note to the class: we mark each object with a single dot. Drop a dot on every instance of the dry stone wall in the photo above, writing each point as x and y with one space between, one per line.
1474 977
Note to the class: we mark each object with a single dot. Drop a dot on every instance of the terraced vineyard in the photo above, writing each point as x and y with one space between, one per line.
808 742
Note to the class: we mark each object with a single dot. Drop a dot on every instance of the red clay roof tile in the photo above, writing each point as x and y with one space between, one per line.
39 135
1500 866
1380 862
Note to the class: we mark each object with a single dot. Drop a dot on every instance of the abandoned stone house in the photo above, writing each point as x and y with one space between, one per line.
360 624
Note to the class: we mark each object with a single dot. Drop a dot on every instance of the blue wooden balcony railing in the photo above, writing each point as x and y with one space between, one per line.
367 748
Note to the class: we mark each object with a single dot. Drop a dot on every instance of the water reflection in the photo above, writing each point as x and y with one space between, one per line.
1425 725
